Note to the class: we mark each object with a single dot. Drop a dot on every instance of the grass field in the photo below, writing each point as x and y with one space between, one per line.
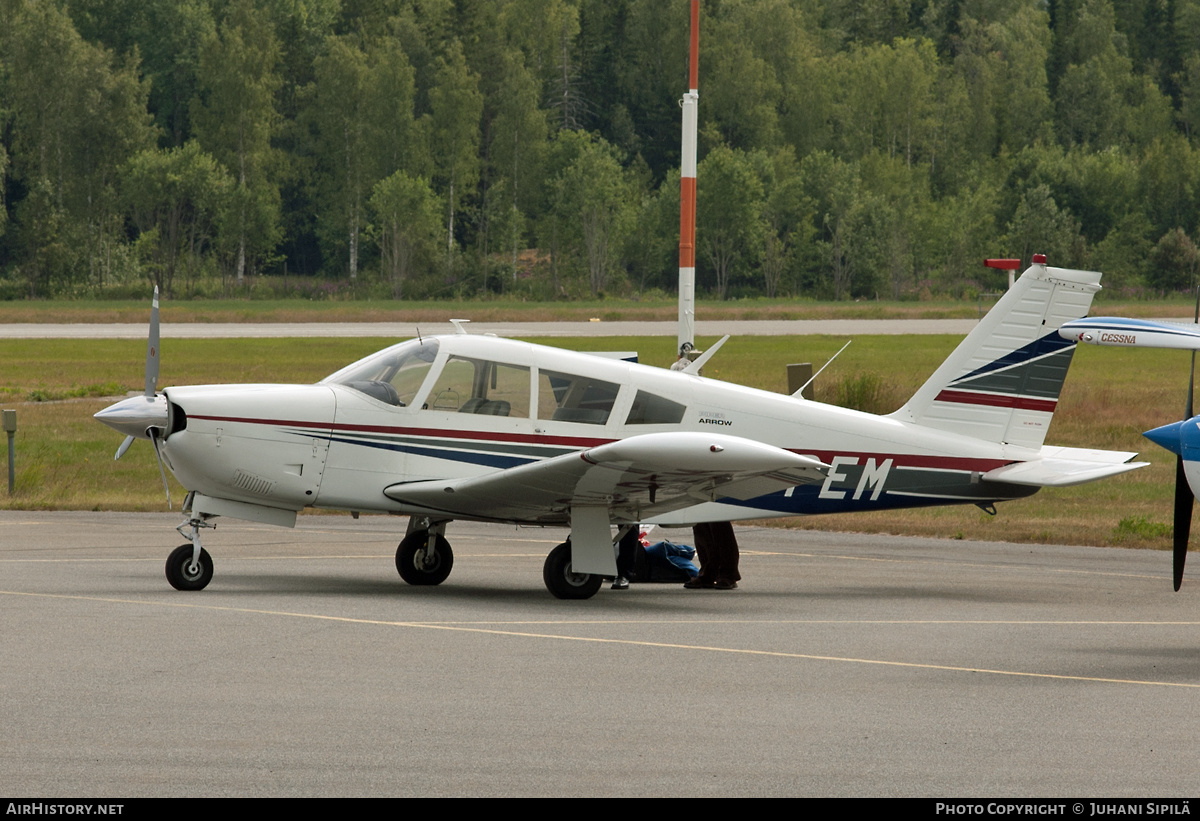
64 457
505 310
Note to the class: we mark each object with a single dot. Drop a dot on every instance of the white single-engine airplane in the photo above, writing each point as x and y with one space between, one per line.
474 427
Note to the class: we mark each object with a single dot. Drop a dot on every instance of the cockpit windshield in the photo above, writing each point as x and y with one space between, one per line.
393 375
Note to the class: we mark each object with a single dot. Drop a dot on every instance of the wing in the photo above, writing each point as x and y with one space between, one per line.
635 478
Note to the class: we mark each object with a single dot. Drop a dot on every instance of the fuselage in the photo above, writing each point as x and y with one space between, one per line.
462 406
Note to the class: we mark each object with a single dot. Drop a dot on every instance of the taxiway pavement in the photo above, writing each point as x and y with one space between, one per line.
844 665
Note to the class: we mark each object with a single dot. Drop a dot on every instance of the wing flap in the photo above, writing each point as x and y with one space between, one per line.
641 476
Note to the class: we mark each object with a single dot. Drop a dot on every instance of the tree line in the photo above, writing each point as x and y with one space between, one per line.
432 148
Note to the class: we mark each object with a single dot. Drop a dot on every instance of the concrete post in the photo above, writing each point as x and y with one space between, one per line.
798 374
10 427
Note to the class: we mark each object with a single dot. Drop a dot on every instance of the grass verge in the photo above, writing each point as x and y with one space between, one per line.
501 309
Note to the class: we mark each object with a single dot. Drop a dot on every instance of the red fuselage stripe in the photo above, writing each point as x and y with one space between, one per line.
905 460
901 459
570 441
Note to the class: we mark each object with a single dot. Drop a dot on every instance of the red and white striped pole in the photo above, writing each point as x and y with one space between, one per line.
687 196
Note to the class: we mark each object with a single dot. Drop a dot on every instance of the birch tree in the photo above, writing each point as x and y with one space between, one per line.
405 225
235 118
456 106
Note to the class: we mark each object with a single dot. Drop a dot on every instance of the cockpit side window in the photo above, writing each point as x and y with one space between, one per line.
565 397
481 387
649 409
393 376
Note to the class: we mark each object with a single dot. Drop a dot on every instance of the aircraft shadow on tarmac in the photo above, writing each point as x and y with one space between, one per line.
320 585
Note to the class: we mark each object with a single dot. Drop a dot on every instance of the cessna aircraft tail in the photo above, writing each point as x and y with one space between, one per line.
1002 382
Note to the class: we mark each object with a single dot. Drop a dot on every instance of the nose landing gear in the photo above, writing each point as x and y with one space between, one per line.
189 567
188 571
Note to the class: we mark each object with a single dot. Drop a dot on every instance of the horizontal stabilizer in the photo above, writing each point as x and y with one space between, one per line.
1064 467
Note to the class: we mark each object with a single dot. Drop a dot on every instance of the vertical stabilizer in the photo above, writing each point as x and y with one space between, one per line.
1002 382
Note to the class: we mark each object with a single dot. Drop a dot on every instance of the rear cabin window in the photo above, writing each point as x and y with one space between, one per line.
649 409
564 397
481 387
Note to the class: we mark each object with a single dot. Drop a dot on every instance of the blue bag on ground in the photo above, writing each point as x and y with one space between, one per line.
665 562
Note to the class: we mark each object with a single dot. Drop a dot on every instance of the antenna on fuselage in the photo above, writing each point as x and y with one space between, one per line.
700 361
823 367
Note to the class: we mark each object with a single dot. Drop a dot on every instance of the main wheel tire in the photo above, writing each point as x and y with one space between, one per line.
180 573
410 559
564 584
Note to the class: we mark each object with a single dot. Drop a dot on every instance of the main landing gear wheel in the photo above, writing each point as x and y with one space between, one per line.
410 559
564 584
183 575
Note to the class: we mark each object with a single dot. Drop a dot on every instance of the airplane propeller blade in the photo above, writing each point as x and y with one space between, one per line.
1184 497
154 432
1183 439
151 386
1183 521
124 447
148 410
152 348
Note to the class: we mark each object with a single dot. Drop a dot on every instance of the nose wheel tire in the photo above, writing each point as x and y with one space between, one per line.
563 583
183 575
412 564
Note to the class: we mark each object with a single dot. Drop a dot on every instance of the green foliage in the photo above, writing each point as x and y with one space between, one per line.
1040 226
729 221
862 149
456 107
868 392
405 225
174 198
235 118
1173 262
1124 252
340 108
590 214
594 199
1139 528
74 114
